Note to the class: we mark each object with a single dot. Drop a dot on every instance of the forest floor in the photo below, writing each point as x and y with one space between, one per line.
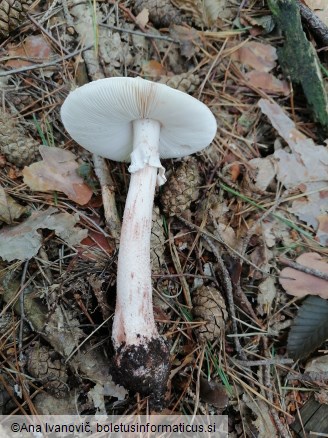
239 230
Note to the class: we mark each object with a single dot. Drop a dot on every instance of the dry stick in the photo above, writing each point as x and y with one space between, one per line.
22 313
225 278
108 196
100 165
317 27
256 363
137 32
267 382
48 34
302 268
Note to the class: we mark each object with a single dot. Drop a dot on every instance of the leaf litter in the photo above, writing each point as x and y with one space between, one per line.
22 242
231 234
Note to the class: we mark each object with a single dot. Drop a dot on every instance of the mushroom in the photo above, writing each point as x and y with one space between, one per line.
132 119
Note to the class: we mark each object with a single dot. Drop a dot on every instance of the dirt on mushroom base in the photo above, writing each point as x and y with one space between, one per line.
143 368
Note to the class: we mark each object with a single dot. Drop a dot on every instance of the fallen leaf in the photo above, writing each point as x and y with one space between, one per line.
306 167
310 328
213 393
34 48
322 232
261 57
206 12
142 18
57 171
23 241
260 409
267 293
9 208
188 37
267 82
299 283
265 172
153 69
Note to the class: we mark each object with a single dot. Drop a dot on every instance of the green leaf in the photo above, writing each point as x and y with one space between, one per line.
310 328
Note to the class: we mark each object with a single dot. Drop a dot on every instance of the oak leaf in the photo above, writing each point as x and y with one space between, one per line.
57 171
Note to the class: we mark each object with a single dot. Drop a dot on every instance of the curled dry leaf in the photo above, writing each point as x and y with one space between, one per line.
267 82
35 48
305 167
9 208
299 283
57 171
213 393
23 241
261 57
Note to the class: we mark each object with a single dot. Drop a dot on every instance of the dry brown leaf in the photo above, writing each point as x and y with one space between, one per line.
320 7
299 283
213 393
261 57
153 69
23 241
267 82
322 233
188 37
265 172
142 18
9 208
206 12
306 167
57 171
34 47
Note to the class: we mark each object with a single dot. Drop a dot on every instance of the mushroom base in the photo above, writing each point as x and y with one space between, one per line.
143 368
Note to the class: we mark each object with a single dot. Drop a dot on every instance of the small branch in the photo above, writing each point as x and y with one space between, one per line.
108 196
316 26
302 268
263 362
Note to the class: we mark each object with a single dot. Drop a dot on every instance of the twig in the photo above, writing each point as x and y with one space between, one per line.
144 34
226 281
108 196
302 268
44 64
39 26
22 312
256 363
317 27
308 377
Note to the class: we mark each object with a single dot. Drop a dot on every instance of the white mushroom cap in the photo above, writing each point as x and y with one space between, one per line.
99 117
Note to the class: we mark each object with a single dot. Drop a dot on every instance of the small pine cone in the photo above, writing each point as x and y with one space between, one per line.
43 364
12 14
185 82
157 241
182 188
161 12
15 145
209 306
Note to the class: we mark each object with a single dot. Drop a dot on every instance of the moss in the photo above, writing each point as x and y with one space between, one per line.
298 58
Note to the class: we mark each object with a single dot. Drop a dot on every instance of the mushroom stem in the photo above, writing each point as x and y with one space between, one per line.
142 357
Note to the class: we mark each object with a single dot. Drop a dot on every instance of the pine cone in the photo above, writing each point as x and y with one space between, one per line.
51 371
209 306
12 13
182 188
157 241
185 82
18 148
161 12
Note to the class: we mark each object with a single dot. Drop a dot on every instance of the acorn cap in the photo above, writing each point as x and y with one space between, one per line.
99 117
